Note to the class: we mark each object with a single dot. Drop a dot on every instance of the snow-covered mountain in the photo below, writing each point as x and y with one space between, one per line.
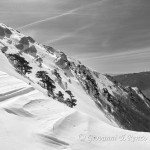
48 83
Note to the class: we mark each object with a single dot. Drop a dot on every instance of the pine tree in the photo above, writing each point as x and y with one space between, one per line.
60 96
50 87
69 93
42 75
27 69
47 81
20 63
68 102
71 102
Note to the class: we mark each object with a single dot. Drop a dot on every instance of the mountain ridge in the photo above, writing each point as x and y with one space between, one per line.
70 82
140 80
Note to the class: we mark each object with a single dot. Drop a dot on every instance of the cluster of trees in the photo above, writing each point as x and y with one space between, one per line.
48 83
71 102
20 64
60 97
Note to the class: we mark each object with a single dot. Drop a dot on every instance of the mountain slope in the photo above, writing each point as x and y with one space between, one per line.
71 83
140 80
34 121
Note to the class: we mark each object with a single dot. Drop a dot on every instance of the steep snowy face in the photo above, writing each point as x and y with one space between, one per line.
71 83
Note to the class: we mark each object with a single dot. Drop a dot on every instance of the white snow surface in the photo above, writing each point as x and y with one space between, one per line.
30 120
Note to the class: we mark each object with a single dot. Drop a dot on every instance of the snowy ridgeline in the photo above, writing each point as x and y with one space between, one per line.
72 84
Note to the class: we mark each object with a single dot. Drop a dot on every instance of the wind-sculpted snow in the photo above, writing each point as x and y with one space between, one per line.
69 82
34 121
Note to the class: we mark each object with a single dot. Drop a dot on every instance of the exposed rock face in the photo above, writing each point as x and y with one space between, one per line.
19 46
62 61
24 41
82 69
31 39
5 32
2 32
49 49
8 32
39 60
4 49
31 50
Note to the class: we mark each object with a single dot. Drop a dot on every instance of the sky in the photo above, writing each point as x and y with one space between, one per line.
109 36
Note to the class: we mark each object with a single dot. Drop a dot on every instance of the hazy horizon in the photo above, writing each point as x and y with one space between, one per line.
110 36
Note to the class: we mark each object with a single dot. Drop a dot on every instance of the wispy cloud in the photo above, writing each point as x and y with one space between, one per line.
119 54
24 1
67 35
124 62
60 15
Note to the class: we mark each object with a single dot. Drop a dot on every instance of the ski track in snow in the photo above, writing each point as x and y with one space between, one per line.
16 94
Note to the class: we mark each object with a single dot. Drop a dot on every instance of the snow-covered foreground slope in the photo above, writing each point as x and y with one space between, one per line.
30 120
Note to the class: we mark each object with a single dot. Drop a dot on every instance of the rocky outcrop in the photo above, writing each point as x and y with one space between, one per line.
8 32
30 39
62 61
2 32
5 32
23 44
49 49
31 50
